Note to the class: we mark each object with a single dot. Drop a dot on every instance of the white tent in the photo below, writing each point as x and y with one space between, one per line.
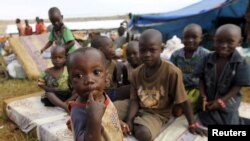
87 25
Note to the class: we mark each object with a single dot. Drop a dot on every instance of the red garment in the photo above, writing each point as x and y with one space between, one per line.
28 31
40 28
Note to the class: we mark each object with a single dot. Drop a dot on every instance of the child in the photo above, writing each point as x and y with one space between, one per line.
132 53
94 117
155 86
222 74
42 26
188 58
28 29
54 81
105 45
60 34
20 27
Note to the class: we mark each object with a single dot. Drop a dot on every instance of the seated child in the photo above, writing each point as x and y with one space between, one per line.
93 117
61 35
155 86
188 58
54 81
105 45
132 53
222 74
133 61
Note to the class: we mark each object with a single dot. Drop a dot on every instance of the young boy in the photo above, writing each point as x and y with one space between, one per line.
188 58
222 74
155 86
133 61
94 118
54 81
105 45
60 34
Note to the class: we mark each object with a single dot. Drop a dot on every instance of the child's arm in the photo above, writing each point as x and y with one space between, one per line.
133 108
202 94
73 97
232 92
49 43
48 89
125 76
95 111
68 45
221 102
193 127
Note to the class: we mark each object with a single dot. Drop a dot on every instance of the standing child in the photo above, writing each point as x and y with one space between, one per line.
54 81
222 74
60 34
155 86
105 45
187 59
94 117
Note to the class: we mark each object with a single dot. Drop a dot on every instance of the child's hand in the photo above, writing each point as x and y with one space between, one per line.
130 126
197 130
125 128
68 123
204 103
95 109
40 83
213 105
42 50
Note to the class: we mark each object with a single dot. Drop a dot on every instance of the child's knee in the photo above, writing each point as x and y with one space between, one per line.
177 110
142 133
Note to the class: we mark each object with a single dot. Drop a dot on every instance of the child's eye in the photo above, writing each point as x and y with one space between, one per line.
97 72
78 76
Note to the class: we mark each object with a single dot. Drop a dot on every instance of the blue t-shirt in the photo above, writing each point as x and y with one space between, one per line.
188 66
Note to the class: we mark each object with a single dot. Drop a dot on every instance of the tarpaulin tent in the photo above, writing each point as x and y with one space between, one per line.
205 13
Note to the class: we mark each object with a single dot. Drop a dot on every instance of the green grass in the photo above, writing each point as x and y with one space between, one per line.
8 89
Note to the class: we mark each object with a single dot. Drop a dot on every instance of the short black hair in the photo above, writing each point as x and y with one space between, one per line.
18 20
54 10
53 50
121 30
99 41
82 51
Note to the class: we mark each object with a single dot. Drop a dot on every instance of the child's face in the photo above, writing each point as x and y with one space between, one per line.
108 50
58 58
133 56
56 20
225 42
150 51
192 38
87 74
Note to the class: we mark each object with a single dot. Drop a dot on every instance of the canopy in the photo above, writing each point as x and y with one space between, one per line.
206 13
